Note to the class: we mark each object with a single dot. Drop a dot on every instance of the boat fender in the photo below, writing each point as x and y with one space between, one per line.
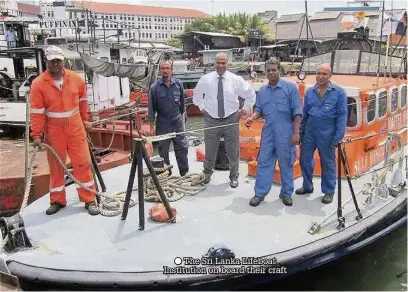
159 214
13 233
200 155
219 251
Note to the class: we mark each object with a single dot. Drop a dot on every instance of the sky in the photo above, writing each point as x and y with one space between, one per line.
233 6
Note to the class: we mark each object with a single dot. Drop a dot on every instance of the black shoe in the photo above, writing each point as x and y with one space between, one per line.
92 208
205 178
54 208
302 191
233 183
327 199
183 172
255 201
287 201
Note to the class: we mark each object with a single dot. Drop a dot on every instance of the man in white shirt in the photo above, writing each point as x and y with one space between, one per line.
216 95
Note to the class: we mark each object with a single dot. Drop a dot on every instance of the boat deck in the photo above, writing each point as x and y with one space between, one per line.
74 240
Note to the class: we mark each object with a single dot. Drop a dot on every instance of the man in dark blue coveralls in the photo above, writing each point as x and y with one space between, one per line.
323 127
279 103
166 98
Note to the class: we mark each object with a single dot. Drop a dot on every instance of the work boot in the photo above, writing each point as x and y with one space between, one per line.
205 178
233 183
54 208
327 199
183 172
255 201
286 200
302 191
92 208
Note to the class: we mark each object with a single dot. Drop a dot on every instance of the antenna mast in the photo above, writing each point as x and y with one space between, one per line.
381 34
305 19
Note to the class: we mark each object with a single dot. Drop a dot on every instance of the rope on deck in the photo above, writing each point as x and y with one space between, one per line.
110 205
174 187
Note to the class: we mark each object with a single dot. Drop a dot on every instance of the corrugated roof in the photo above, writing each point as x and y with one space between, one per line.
28 8
112 8
290 18
324 15
215 34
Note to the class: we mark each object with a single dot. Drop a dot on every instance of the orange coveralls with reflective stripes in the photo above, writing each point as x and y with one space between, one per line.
60 114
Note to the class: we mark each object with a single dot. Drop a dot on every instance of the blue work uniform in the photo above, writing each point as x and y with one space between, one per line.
323 127
279 106
168 103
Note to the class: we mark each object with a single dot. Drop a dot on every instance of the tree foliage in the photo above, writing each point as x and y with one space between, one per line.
176 43
238 24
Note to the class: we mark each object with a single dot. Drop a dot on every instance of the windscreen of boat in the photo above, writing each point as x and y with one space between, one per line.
352 62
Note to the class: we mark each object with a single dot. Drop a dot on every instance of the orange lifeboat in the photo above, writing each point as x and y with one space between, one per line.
376 106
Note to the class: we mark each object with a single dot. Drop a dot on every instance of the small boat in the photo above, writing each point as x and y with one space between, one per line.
207 236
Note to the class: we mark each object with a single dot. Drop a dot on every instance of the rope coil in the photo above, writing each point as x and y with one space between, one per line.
174 187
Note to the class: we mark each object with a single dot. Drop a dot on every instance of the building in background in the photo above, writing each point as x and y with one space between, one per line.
131 22
19 9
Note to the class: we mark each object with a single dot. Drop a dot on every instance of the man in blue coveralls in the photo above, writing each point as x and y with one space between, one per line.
279 103
166 98
323 126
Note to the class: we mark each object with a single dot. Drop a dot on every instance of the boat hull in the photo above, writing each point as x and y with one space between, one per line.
320 252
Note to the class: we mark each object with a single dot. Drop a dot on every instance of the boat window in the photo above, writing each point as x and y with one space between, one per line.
382 104
369 63
311 63
372 108
394 100
352 112
403 96
345 61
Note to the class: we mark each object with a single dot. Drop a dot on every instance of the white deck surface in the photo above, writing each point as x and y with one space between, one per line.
74 240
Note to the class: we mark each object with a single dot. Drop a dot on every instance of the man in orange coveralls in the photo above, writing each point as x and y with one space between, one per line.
59 109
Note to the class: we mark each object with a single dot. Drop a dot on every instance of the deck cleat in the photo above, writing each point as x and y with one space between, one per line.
314 229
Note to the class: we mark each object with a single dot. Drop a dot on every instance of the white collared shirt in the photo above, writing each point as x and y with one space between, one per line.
233 86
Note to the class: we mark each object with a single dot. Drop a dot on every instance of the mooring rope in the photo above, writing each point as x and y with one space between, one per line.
111 205
111 142
174 134
174 187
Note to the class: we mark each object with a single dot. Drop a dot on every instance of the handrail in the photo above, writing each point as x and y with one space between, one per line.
380 173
